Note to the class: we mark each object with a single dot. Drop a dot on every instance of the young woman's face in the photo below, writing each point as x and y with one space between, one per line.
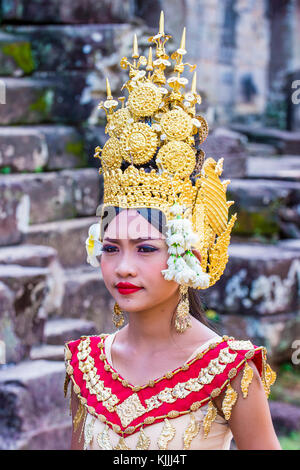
127 259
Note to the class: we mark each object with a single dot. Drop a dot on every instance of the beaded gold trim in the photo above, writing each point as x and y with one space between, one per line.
268 378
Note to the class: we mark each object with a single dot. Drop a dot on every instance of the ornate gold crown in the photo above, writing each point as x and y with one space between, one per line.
151 160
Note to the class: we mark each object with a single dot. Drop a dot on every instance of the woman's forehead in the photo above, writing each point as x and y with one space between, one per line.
129 224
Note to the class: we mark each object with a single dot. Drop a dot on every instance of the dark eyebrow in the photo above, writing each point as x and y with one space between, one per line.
132 240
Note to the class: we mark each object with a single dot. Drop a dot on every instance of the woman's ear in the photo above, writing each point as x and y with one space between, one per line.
197 254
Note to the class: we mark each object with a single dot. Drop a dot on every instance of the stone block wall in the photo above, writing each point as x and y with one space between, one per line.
53 61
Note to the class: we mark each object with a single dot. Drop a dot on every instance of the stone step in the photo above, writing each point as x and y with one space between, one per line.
60 330
66 236
64 99
23 299
86 297
48 147
37 198
27 49
48 352
283 167
257 149
68 11
286 142
258 297
15 55
258 203
28 255
32 398
259 279
229 145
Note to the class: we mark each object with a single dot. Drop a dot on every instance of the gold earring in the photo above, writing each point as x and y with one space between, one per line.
183 317
118 317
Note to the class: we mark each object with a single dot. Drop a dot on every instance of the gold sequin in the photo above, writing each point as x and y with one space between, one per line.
104 440
209 418
121 445
240 344
166 435
191 431
88 433
130 409
143 441
228 401
246 379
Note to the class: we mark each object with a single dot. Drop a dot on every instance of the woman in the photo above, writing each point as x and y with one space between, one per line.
166 380
149 346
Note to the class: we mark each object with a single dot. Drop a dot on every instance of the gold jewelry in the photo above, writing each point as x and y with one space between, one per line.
118 317
183 317
158 123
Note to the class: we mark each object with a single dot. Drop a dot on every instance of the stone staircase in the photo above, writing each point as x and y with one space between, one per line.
54 68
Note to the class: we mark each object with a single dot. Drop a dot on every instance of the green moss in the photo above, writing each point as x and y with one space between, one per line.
38 169
44 103
22 55
5 170
255 223
77 148
212 315
291 441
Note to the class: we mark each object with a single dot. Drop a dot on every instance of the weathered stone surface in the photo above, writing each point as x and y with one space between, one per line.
277 332
285 417
34 407
65 47
47 352
68 11
66 236
15 55
34 148
37 198
60 330
22 149
257 149
87 297
229 145
258 280
285 167
12 349
287 142
64 99
257 203
26 320
28 255
66 147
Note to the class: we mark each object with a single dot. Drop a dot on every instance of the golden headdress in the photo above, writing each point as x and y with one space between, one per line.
157 129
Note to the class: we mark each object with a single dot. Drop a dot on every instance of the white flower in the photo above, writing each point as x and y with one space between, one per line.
175 238
177 209
93 245
110 103
161 61
183 81
176 250
196 122
189 97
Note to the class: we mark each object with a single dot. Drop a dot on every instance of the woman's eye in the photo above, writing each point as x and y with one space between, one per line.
149 249
145 249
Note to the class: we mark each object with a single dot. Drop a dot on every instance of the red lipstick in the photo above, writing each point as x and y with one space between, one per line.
126 288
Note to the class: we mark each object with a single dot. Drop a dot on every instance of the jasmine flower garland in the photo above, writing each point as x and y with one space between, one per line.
184 269
93 245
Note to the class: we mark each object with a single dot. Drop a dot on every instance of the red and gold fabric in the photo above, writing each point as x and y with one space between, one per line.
127 409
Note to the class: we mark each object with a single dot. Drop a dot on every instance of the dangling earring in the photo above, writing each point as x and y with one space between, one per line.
118 317
183 318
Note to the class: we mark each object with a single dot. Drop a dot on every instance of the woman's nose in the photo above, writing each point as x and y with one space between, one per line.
126 266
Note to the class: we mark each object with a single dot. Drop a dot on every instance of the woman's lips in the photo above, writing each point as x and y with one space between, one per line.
127 288
128 291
